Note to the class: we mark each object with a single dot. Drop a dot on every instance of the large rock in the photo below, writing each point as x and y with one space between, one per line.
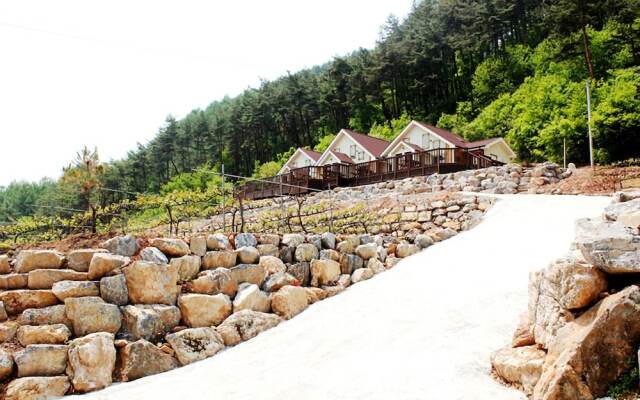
102 264
16 301
328 254
92 314
278 280
617 209
45 316
268 250
198 245
195 344
36 388
8 331
214 282
91 362
272 264
346 247
269 238
171 247
250 297
141 358
6 364
306 252
609 246
65 289
324 272
292 239
188 267
328 240
523 335
218 241
405 250
200 310
219 259
248 255
151 283
5 268
43 334
423 241
79 260
246 324
41 360
375 265
350 262
113 289
301 271
521 366
591 353
122 245
367 251
13 281
252 273
3 313
149 322
45 278
28 260
361 274
289 301
245 240
153 255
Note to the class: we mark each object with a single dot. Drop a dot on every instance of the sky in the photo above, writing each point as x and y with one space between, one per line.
106 74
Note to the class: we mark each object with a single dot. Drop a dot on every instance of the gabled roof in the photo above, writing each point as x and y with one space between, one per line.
482 143
342 157
445 134
414 146
373 145
314 155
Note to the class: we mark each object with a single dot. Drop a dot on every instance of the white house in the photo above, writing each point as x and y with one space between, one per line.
301 158
418 136
352 147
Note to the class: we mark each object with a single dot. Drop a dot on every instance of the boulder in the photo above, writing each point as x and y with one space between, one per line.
79 260
250 297
589 354
346 247
28 260
423 241
113 289
43 334
248 255
361 274
3 312
41 360
306 252
289 301
16 301
219 259
200 310
245 240
521 366
103 264
404 250
171 247
151 283
367 251
214 282
252 273
523 335
268 250
65 289
278 280
315 294
375 265
187 266
610 246
245 325
5 268
121 245
6 364
286 254
292 239
324 272
153 255
269 238
13 281
149 322
272 264
300 271
329 254
350 262
8 331
617 209
92 314
45 316
328 240
91 362
344 280
45 278
35 388
198 245
195 344
630 220
315 240
141 358
217 241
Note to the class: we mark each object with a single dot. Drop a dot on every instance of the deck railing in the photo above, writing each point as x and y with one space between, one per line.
305 179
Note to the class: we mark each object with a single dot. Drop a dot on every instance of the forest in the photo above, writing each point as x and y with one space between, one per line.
481 68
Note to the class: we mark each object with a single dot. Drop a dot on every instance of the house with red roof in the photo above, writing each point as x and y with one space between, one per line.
349 147
419 136
301 158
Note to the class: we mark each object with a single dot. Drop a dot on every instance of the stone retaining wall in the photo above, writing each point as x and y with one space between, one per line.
76 322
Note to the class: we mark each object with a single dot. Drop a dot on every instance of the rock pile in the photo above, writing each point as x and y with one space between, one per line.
583 320
71 323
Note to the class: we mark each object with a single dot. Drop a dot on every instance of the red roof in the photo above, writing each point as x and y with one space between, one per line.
414 146
312 154
373 145
456 140
481 143
342 157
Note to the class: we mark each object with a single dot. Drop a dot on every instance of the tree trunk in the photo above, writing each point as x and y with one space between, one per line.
587 53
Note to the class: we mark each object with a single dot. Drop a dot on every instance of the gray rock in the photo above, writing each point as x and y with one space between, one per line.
218 241
149 322
122 245
113 289
252 273
350 262
302 272
154 255
278 280
292 239
315 240
286 254
423 241
306 252
41 360
614 210
245 240
610 246
195 344
141 358
328 240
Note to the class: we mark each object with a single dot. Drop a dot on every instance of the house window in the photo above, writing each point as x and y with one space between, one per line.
425 140
352 151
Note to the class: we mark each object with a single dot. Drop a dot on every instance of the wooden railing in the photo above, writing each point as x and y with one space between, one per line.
306 179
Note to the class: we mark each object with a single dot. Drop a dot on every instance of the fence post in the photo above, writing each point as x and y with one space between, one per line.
224 217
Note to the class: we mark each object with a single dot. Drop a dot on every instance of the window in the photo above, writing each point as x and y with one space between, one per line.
352 151
425 141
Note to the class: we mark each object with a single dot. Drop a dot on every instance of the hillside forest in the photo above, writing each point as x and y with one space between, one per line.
481 68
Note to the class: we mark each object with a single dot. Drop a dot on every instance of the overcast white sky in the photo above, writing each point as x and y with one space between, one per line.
107 73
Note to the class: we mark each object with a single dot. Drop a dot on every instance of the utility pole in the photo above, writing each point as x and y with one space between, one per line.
589 125
564 152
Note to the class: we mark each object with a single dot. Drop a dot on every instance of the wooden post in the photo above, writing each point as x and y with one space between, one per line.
589 125
224 217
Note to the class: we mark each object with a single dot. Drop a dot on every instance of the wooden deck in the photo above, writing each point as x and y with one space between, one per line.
306 179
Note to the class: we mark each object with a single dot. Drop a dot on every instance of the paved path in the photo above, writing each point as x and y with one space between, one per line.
423 330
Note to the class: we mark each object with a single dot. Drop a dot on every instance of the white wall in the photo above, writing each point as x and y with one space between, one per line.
500 150
343 145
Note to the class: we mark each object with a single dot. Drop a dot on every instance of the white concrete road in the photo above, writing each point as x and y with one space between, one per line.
423 330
